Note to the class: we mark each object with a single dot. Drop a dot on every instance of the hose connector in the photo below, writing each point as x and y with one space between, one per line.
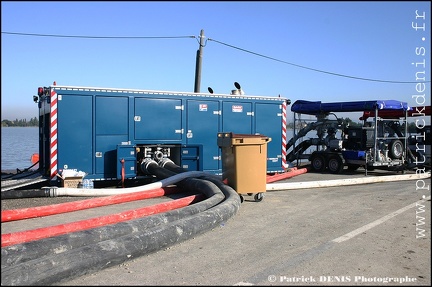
164 161
158 156
51 190
145 163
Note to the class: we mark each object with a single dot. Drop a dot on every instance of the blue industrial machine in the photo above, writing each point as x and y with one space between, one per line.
380 143
108 133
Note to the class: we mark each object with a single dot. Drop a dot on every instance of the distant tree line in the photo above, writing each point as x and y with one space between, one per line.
20 123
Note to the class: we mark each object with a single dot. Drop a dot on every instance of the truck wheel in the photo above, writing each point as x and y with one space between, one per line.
335 164
396 149
318 163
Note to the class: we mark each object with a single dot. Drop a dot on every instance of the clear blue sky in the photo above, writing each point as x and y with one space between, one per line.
372 40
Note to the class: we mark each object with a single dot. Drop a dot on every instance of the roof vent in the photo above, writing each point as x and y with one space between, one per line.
238 90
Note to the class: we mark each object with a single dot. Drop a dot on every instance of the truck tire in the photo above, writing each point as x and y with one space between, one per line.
335 164
318 163
396 149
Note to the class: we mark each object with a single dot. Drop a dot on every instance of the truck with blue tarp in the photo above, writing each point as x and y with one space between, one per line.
381 141
108 133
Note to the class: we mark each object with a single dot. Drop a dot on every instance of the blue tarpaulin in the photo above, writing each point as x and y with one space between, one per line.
315 108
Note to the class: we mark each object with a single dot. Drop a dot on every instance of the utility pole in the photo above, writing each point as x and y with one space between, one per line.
198 64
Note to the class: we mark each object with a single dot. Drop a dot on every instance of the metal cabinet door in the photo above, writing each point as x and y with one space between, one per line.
158 119
202 128
237 117
75 132
111 129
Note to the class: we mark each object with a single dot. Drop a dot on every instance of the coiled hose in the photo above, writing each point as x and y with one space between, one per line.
67 256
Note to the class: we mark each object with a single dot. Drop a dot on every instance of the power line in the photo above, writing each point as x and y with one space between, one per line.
98 37
316 70
219 42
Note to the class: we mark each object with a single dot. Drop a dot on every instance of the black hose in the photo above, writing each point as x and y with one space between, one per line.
169 168
173 167
19 172
153 168
27 193
85 255
97 256
159 172
299 149
14 254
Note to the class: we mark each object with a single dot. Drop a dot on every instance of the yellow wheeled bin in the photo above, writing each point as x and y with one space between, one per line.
244 163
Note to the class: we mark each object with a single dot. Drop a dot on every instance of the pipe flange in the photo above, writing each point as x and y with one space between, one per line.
51 190
158 156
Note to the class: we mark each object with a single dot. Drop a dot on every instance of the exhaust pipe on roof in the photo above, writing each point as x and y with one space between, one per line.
238 90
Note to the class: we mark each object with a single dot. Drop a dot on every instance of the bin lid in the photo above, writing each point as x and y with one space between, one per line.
230 138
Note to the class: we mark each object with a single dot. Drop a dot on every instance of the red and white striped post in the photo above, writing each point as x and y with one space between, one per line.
284 135
53 135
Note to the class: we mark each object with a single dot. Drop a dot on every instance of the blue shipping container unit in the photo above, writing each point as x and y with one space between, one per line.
107 133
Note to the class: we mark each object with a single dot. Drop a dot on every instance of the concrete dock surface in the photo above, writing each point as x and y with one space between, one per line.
363 234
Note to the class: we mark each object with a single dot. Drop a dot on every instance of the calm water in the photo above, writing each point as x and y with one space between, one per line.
17 146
